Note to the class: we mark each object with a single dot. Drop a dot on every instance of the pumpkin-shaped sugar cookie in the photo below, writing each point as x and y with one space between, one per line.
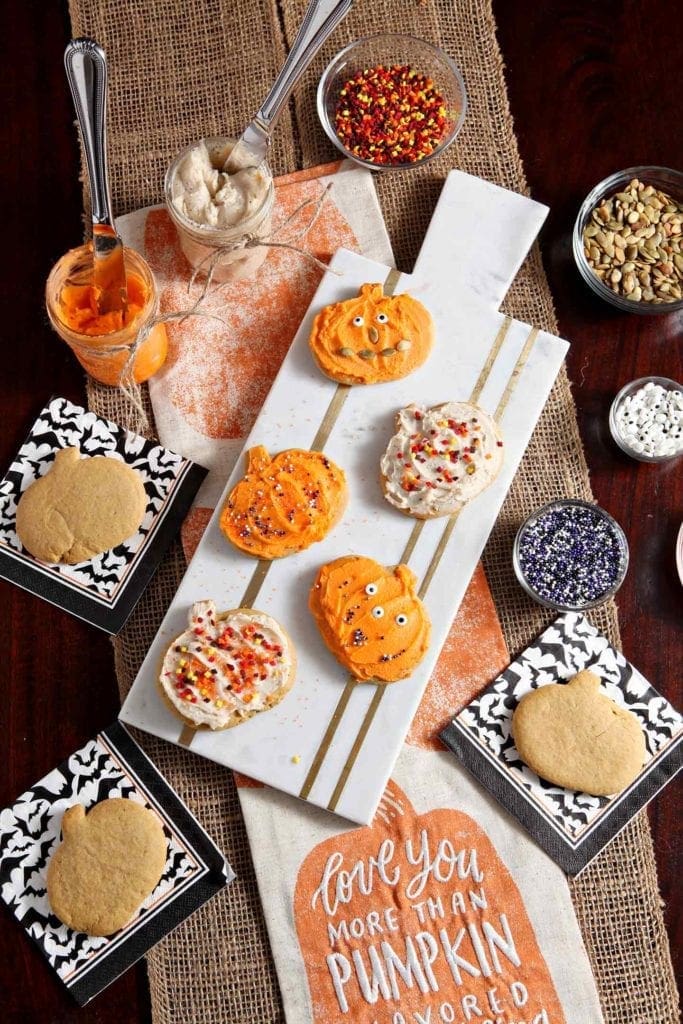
227 667
373 338
371 618
285 503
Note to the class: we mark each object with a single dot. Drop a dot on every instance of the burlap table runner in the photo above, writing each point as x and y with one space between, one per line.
180 71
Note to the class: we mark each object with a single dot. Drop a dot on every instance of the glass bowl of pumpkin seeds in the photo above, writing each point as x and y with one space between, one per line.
628 240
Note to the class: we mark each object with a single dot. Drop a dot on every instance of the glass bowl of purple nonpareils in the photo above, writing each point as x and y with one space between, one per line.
570 555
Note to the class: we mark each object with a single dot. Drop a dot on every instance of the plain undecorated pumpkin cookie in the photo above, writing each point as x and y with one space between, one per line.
573 736
108 863
81 508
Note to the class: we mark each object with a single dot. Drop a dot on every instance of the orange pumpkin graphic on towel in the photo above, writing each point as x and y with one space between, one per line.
371 617
417 919
372 338
285 503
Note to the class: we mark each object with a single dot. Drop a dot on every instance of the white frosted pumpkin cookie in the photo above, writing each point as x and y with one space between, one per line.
440 458
227 666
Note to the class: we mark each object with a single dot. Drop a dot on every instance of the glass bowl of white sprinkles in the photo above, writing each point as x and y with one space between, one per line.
570 555
646 419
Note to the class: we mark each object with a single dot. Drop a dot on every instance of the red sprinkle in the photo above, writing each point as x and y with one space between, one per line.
391 115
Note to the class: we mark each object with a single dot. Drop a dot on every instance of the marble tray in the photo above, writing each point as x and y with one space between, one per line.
332 742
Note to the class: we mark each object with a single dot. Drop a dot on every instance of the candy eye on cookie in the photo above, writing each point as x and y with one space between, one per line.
358 321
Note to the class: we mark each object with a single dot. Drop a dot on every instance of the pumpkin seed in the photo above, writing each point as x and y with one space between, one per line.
403 345
346 352
373 335
366 353
388 352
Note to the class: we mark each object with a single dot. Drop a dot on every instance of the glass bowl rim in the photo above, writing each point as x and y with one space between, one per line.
409 39
587 206
619 533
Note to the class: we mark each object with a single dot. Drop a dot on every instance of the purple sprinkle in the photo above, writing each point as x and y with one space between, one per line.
570 556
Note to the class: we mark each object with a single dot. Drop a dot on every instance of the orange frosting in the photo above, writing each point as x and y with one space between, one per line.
371 618
372 338
283 504
77 309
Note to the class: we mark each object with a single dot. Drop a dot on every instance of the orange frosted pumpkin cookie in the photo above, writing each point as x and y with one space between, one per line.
371 618
373 338
285 503
227 666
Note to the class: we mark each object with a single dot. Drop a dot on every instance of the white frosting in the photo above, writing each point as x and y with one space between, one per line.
229 687
440 458
205 194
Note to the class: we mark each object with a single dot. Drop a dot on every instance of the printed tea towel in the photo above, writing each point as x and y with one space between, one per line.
218 372
443 911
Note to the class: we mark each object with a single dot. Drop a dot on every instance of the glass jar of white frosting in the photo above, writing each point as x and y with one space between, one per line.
217 213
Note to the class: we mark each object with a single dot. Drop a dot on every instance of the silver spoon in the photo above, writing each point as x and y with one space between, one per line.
320 20
86 72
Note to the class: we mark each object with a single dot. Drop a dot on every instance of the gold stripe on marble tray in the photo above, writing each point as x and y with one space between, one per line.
441 546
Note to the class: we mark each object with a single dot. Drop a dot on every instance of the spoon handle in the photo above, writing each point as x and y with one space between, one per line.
86 72
320 20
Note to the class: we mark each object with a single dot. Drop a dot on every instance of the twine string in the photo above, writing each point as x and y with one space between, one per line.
252 241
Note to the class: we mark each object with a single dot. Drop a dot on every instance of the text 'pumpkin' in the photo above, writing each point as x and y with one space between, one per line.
372 338
285 503
415 919
371 618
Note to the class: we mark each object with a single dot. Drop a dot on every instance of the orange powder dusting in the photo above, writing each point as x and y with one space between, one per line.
472 656
218 375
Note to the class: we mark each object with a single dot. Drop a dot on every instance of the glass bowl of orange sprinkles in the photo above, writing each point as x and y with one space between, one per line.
391 101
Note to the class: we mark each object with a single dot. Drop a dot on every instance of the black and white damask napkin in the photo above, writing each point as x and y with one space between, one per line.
571 827
110 765
105 589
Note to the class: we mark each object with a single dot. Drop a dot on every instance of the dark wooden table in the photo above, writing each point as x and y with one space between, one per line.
594 87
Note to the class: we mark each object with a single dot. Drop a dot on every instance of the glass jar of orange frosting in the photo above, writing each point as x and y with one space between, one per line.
216 212
103 343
